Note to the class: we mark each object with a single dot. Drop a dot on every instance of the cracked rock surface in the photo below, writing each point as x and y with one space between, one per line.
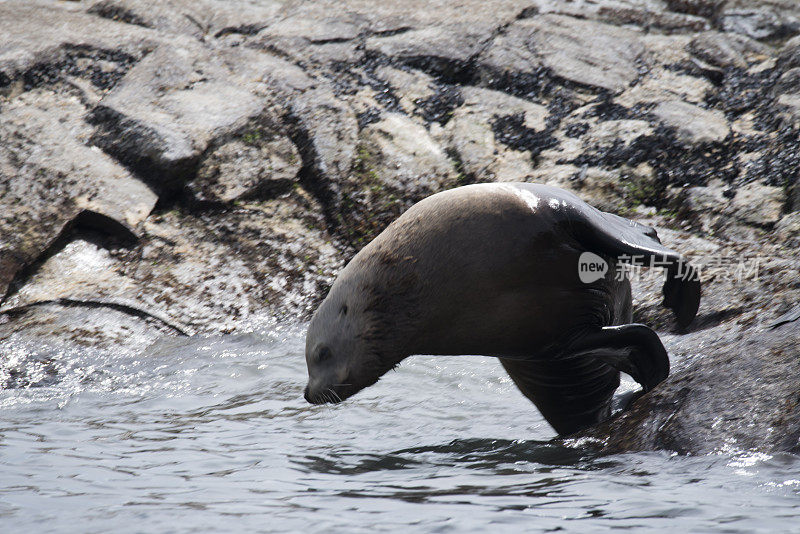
187 167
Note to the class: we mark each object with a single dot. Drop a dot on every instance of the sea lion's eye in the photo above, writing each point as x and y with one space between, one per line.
343 311
323 354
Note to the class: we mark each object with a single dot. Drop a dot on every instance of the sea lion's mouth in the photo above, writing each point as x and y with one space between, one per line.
329 395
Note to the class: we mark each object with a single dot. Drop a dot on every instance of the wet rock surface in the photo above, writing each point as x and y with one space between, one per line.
725 391
186 167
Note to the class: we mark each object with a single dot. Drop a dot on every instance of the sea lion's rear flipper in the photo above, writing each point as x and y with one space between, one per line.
622 238
571 392
634 349
574 390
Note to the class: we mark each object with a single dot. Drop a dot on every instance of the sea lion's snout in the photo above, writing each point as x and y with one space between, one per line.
326 390
326 377
324 396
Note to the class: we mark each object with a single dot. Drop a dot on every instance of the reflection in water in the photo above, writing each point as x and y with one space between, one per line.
212 434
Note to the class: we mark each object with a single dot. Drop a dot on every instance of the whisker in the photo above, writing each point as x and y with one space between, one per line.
326 396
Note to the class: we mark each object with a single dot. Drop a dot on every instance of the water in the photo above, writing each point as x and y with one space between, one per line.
212 435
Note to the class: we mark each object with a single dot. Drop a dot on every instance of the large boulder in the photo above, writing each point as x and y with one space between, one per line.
41 42
213 272
49 179
730 394
727 389
397 164
166 111
587 53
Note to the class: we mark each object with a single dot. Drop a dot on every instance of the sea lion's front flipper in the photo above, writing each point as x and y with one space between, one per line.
571 392
634 349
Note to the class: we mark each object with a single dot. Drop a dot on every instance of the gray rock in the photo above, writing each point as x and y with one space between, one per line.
760 23
789 56
48 177
167 110
443 34
322 126
759 205
453 44
45 43
789 82
409 86
753 204
256 161
214 273
605 134
470 136
317 32
645 18
693 124
589 53
728 50
791 104
794 195
600 187
398 164
787 230
719 401
724 392
229 270
703 8
488 103
704 205
328 133
662 84
202 19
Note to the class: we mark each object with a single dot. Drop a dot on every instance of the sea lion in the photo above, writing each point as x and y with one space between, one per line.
493 269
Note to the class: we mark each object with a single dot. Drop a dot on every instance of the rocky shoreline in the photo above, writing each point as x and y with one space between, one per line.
198 167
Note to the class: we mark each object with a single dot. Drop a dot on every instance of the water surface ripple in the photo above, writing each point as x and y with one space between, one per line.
212 435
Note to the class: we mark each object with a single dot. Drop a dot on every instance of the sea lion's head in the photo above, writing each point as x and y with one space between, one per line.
361 329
